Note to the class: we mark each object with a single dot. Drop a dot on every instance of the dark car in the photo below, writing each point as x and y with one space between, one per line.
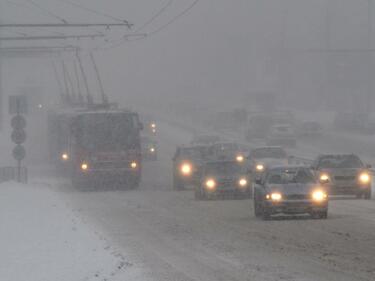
229 151
262 158
290 190
149 149
223 178
344 174
186 163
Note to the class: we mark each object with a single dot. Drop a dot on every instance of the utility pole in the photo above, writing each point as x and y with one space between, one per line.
1 83
370 89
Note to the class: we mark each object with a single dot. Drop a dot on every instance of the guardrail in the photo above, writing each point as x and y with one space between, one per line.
11 173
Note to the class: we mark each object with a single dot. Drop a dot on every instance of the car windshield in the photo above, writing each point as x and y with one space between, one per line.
269 152
224 168
340 161
288 176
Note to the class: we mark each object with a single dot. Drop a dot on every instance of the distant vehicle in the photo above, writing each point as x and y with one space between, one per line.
204 139
266 157
259 127
344 174
354 122
229 151
290 190
187 162
97 145
282 135
223 178
149 148
310 129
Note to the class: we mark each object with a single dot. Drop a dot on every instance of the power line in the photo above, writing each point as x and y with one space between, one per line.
87 9
162 10
147 35
25 38
46 11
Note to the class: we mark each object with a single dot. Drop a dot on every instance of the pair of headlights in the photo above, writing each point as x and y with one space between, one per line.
317 195
211 183
363 178
85 166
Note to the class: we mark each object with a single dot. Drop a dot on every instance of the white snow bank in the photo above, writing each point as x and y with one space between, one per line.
41 239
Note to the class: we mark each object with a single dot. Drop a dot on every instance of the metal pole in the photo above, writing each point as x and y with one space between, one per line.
104 96
89 98
369 62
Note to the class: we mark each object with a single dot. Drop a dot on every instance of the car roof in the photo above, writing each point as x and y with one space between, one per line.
287 167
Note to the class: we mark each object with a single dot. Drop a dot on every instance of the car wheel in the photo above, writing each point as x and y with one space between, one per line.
320 215
257 210
198 193
177 184
367 194
266 214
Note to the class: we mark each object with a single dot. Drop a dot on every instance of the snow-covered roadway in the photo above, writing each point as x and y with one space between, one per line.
178 238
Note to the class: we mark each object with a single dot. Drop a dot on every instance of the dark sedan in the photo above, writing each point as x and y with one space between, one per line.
290 190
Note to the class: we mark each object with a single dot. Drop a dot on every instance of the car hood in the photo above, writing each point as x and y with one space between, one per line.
293 188
342 171
272 162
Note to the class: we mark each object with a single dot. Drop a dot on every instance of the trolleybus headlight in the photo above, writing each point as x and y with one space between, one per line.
210 184
186 169
242 182
84 166
319 195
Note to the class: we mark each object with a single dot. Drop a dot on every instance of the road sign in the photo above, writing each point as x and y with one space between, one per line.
18 136
18 122
18 104
19 152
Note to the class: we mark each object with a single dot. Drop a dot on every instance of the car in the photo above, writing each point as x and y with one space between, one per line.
262 158
204 139
186 164
229 151
290 190
226 177
344 174
310 129
149 149
283 135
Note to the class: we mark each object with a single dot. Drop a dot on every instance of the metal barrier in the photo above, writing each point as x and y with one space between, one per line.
11 174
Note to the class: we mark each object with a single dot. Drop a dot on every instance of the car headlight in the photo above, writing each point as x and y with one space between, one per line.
259 167
153 125
275 196
242 182
152 149
324 177
240 158
84 166
319 195
210 184
133 165
364 178
186 169
65 156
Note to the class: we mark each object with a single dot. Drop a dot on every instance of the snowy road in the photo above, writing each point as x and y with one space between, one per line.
178 238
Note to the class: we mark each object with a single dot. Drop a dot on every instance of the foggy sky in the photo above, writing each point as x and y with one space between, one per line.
223 49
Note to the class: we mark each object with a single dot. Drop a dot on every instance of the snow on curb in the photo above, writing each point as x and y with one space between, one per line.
42 239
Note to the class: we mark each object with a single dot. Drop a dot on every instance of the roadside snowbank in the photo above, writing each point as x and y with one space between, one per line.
42 239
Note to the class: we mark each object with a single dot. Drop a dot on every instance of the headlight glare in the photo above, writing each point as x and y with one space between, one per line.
240 158
324 177
259 167
319 195
210 184
186 169
242 182
364 178
275 196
